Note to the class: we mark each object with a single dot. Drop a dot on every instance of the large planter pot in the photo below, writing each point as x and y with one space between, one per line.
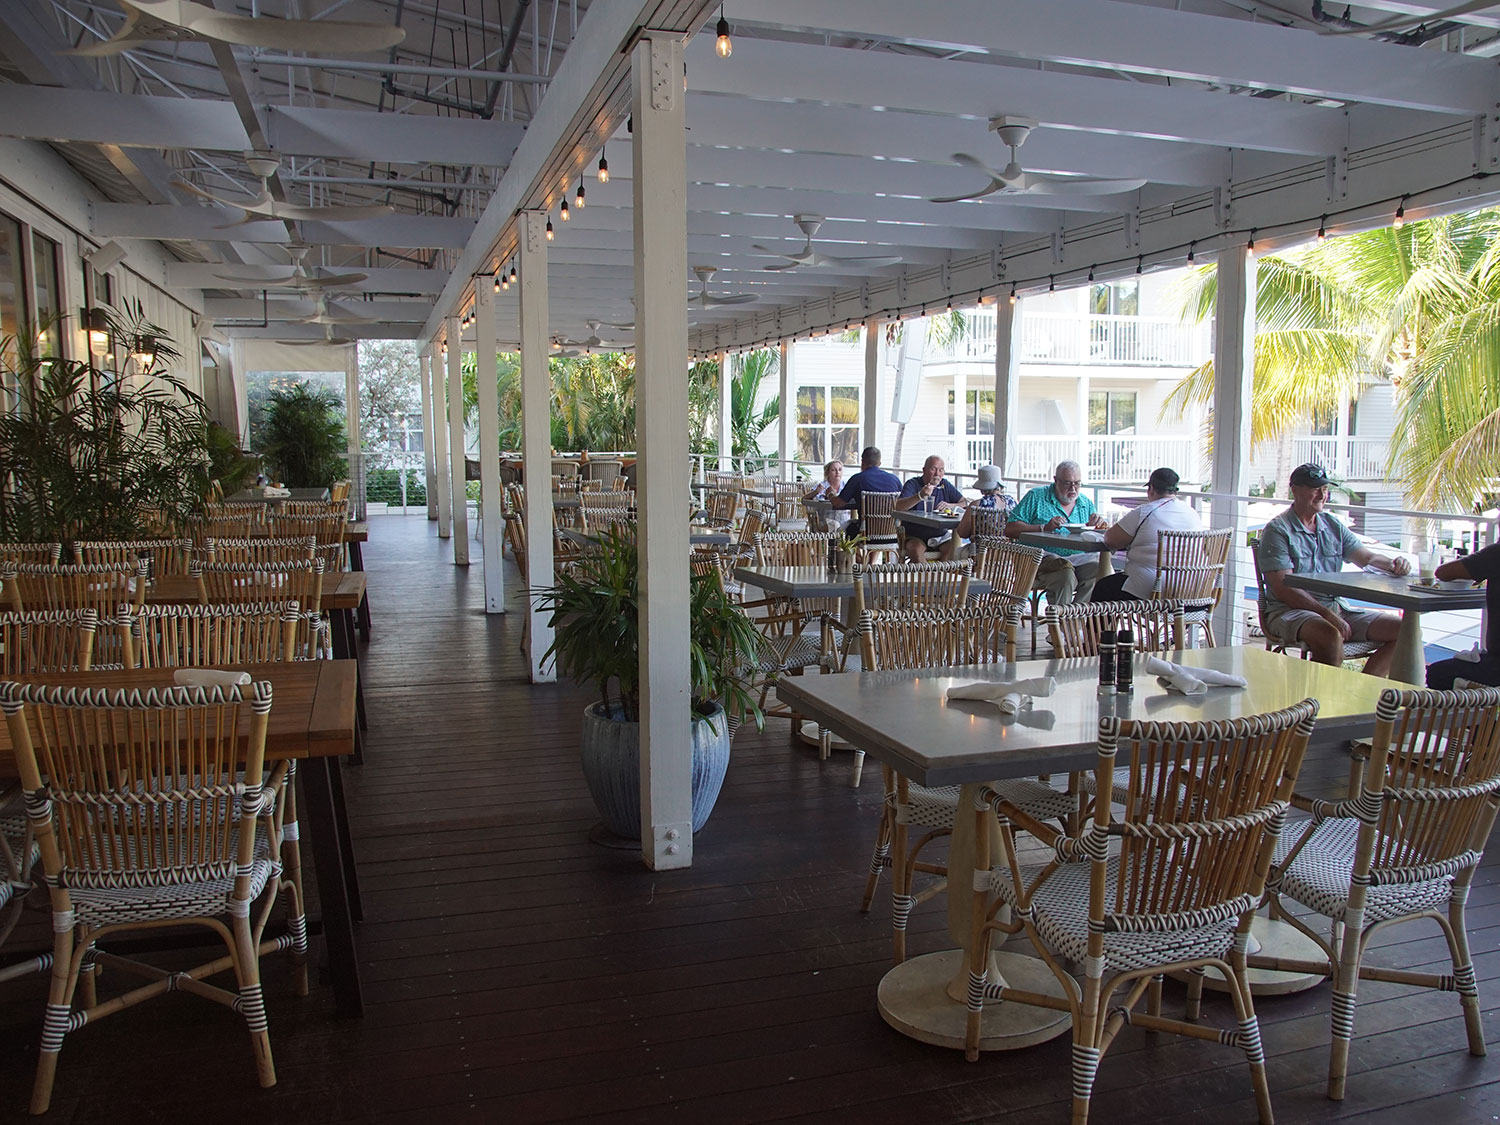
611 752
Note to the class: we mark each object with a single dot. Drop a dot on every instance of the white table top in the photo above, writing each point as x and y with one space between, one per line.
934 520
1064 540
905 720
814 581
1383 589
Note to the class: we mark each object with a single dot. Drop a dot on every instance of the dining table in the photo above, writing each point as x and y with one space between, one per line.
905 720
1088 540
312 723
256 496
1408 594
932 523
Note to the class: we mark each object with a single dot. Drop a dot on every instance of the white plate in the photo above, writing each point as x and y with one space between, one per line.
1465 589
1076 526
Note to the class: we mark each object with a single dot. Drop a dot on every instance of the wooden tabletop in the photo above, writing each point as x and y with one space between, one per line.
1384 589
312 703
814 581
766 493
357 531
566 500
1065 540
904 718
340 591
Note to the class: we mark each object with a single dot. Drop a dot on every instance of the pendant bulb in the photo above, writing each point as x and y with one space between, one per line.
723 46
603 169
549 230
1250 245
1400 220
513 271
563 211
1323 229
1051 284
499 280
579 201
1012 294
1192 251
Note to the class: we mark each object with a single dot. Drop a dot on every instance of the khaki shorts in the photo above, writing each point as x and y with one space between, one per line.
1286 624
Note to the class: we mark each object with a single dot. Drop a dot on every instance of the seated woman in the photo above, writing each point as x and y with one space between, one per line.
1480 566
991 498
1136 535
826 489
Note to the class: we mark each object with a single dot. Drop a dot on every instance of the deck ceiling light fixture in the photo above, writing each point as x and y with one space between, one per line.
579 202
603 168
550 234
723 45
563 211
1323 229
1400 220
96 320
513 272
1250 244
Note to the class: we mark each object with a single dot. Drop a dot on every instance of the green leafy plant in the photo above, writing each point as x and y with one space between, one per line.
302 439
228 464
89 453
595 611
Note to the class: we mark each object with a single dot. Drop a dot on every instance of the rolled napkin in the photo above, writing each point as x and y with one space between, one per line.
1091 536
1001 692
1472 656
209 677
1190 681
281 493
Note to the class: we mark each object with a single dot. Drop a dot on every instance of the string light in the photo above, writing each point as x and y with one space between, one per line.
563 212
504 279
1400 220
1051 284
549 230
1012 294
723 46
1192 248
1250 244
1138 263
1323 229
1091 273
500 282
603 168
513 271
579 201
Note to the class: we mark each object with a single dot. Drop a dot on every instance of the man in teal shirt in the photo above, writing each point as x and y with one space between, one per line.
1066 575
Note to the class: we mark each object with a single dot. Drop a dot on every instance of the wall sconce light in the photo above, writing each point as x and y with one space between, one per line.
143 351
97 322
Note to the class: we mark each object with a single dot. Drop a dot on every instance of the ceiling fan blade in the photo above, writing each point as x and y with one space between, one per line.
1081 187
995 185
332 281
253 280
194 189
326 341
135 32
735 299
313 37
869 261
335 214
782 266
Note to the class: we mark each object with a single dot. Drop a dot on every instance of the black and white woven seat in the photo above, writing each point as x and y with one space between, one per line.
1403 847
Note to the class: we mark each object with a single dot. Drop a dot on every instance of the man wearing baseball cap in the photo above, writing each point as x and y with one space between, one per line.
1305 539
1137 534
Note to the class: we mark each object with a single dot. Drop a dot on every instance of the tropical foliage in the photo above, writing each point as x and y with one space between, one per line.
302 439
1418 306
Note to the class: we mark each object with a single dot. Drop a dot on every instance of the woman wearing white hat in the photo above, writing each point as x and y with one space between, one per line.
991 496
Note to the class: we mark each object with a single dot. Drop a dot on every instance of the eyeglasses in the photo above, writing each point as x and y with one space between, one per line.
1075 483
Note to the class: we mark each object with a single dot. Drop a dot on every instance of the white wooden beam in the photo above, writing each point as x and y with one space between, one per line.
536 434
1159 41
661 421
208 224
439 369
1234 369
429 461
489 446
456 460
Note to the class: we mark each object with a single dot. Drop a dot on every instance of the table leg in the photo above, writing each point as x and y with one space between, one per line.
1106 563
346 648
1408 663
346 839
357 562
333 890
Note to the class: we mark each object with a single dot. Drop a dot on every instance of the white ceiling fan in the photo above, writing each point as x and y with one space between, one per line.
703 301
1014 180
263 206
595 343
152 21
328 340
298 277
807 256
330 313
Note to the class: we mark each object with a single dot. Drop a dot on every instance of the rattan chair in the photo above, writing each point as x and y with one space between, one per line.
929 638
101 587
237 525
261 550
238 583
328 507
1353 650
168 556
719 508
1009 567
906 585
31 553
1404 847
1205 805
1189 569
877 525
174 636
153 808
253 510
339 490
327 529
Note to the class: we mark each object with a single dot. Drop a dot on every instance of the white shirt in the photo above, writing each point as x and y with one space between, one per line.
1144 523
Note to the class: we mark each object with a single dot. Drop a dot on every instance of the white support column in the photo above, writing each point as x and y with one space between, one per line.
1082 407
489 445
456 442
428 458
1006 455
352 428
784 423
440 433
536 434
869 410
660 203
1234 368
726 431
960 462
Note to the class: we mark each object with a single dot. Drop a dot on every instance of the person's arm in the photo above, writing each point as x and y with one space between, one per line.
912 494
1021 520
1093 519
1360 555
1119 537
1456 569
847 498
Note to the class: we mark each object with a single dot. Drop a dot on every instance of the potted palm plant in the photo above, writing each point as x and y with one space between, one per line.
595 615
302 439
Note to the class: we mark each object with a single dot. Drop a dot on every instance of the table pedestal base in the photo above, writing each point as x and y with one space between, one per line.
1276 939
914 999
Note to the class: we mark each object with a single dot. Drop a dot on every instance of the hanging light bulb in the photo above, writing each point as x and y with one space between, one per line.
549 230
504 279
513 271
722 45
499 279
1323 229
1138 263
1250 244
1012 294
1051 284
1091 273
1192 250
950 304
579 201
603 168
1400 220
563 213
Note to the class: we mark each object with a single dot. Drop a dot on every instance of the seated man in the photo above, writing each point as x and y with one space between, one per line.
1136 534
870 478
1481 566
1305 539
927 492
1065 575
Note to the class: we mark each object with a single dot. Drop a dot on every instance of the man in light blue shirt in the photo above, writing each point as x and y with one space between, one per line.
1066 575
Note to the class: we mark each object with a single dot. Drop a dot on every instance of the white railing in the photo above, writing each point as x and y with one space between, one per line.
1352 458
1105 341
981 450
1118 457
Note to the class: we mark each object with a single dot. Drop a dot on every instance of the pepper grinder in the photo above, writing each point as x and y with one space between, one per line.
1107 660
1124 668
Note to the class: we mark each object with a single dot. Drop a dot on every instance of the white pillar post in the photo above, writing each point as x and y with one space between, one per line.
960 423
536 433
440 433
1234 368
456 442
869 414
784 424
1082 407
726 431
489 445
352 427
1007 454
429 461
660 204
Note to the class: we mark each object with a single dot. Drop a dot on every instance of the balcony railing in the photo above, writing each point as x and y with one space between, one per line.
1348 458
1104 341
1122 458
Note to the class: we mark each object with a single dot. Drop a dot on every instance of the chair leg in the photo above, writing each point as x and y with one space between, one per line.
879 859
859 769
1086 1052
251 1003
1248 1036
1345 993
901 898
1194 994
1463 971
1153 996
291 881
55 1023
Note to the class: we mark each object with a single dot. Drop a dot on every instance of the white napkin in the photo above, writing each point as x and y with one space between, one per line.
1472 656
1091 536
276 492
209 677
1006 696
1190 681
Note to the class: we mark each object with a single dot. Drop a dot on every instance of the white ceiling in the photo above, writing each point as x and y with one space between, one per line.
1236 114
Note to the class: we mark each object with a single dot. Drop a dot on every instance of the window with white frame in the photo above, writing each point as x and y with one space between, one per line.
828 423
1111 412
978 415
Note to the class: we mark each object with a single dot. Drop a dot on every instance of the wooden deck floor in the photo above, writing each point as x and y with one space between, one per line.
516 973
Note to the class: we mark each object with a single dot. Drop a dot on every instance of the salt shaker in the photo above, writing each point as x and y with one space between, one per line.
1107 661
1124 669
